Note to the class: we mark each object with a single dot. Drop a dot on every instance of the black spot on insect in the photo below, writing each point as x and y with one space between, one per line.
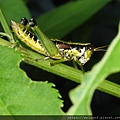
79 50
31 35
27 32
75 47
32 22
89 47
35 38
24 21
24 29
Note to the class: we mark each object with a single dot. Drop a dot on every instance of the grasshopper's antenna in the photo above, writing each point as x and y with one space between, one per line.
101 48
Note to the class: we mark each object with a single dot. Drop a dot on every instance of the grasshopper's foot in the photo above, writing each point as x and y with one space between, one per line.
52 63
45 58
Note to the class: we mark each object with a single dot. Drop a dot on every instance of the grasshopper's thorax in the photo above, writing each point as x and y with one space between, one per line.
76 51
87 52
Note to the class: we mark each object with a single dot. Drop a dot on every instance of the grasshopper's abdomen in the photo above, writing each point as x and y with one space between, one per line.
27 37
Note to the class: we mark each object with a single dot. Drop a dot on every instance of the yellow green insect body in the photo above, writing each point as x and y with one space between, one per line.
67 51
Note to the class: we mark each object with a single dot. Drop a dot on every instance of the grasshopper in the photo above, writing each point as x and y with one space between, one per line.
52 48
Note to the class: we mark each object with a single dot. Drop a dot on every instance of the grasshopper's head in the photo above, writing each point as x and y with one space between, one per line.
88 50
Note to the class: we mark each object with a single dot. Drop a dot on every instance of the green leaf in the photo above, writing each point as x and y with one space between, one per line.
82 95
64 70
6 28
4 23
14 9
62 20
21 96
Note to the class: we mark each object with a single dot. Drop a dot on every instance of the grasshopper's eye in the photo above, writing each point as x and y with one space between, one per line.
32 22
90 47
88 51
24 21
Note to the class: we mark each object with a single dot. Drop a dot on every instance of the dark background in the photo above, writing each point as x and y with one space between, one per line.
103 28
